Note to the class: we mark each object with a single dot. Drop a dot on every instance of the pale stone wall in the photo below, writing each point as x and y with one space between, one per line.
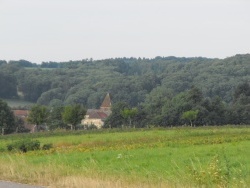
97 122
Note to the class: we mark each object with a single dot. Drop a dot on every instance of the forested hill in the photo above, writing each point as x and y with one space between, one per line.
130 80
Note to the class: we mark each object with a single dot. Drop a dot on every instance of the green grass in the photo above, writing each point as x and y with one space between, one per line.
207 156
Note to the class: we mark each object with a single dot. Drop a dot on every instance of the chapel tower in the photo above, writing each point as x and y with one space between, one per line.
106 104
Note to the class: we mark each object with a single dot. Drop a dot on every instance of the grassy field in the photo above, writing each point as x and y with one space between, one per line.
177 157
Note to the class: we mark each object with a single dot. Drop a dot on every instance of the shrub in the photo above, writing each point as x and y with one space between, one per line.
10 147
47 146
24 145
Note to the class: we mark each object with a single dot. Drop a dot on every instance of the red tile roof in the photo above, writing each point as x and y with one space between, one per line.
96 114
19 113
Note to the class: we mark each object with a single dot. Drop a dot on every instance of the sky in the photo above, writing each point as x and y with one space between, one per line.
63 30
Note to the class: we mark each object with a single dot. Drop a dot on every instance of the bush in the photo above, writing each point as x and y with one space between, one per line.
24 145
10 147
47 146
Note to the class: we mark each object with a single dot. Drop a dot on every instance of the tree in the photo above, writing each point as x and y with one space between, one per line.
174 108
20 128
73 115
55 120
115 120
8 85
242 89
129 114
38 115
240 110
3 62
190 115
215 111
7 120
195 95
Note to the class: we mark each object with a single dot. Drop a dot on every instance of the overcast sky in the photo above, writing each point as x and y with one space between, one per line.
62 30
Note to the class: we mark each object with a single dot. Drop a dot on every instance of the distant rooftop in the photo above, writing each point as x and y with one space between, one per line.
21 112
106 102
96 114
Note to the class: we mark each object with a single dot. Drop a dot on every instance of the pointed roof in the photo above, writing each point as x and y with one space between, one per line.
106 102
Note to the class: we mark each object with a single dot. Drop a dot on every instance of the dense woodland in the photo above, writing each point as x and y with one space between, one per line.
166 91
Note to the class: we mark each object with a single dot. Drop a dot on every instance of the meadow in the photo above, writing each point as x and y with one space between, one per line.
172 157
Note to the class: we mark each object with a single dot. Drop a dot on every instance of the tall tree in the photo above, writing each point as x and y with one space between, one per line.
72 115
242 89
8 85
38 115
116 120
190 115
128 114
240 110
7 120
55 120
195 96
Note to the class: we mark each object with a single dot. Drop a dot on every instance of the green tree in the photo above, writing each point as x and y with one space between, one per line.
242 89
72 115
115 120
55 120
190 115
215 111
128 114
174 108
38 115
239 113
8 85
195 96
20 128
7 120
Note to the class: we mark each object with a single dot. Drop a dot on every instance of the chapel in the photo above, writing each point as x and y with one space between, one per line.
97 116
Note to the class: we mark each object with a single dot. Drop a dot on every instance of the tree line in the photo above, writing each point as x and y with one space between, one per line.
189 108
161 89
42 117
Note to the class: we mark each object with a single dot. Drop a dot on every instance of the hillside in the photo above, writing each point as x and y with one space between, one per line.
127 79
162 88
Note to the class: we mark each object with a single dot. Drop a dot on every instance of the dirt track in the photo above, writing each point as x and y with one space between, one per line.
6 184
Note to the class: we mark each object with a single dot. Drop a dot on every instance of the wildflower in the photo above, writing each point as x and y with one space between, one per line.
119 156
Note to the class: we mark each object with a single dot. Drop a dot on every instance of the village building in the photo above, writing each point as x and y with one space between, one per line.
23 115
97 117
